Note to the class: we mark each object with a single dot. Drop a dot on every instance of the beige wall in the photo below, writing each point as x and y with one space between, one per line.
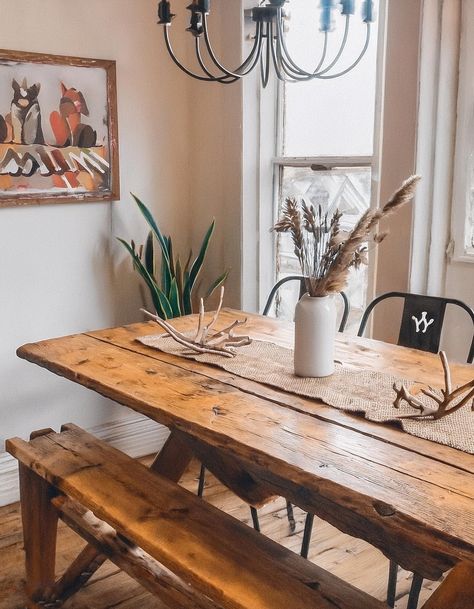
216 156
61 270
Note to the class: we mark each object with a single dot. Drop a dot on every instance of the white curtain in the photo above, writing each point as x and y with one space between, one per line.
439 70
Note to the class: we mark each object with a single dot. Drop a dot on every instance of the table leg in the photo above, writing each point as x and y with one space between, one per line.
173 459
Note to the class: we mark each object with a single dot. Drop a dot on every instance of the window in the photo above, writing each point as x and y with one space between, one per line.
325 142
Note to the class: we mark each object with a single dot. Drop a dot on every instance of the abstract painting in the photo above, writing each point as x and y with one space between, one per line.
58 129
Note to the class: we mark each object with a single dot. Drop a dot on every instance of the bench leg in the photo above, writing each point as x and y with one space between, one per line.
40 525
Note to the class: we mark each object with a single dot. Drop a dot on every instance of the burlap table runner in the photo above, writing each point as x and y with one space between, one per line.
367 392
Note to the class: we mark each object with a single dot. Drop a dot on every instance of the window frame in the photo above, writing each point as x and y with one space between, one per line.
263 110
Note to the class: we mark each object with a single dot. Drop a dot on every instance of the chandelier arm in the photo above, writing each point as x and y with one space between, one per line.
221 79
179 64
291 65
275 58
353 65
238 72
341 49
265 63
291 74
250 63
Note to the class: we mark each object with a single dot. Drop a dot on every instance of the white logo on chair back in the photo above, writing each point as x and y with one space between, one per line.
422 322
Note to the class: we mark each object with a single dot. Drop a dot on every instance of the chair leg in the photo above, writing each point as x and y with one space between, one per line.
291 516
202 480
308 529
256 523
40 525
392 583
415 590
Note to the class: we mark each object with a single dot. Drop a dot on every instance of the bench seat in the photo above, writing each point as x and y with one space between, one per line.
183 549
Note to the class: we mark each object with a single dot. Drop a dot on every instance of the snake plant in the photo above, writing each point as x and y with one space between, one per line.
171 291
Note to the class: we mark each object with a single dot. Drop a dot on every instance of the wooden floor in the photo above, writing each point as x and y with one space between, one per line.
351 559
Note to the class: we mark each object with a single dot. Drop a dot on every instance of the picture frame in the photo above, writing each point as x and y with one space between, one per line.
58 129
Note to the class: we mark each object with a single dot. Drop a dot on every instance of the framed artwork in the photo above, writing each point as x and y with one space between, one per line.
58 129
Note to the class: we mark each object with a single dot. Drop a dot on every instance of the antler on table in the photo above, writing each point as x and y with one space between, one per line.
222 343
444 402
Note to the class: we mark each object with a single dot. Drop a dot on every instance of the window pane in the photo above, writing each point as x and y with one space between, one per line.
346 189
329 117
469 240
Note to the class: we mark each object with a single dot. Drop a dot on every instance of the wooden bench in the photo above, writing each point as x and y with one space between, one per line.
186 552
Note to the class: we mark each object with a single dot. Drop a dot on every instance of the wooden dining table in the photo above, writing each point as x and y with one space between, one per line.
411 498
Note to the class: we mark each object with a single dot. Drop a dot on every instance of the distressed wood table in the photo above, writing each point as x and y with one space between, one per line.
411 498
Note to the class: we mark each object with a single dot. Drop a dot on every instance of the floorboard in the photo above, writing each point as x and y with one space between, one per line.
351 559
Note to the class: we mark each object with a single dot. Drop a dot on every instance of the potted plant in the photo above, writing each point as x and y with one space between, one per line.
326 255
171 288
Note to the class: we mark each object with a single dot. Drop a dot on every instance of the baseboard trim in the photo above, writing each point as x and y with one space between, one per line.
137 437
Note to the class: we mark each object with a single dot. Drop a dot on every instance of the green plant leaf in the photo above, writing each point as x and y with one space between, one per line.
165 276
187 302
174 298
197 264
217 283
160 302
188 261
166 270
152 224
179 282
170 255
150 254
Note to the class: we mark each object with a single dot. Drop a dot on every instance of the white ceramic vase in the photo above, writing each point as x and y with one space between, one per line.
315 331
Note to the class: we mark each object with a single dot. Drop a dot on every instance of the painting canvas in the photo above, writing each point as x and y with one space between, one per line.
58 129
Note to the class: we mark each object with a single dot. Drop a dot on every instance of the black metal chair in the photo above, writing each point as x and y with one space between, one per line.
202 475
300 279
422 320
420 328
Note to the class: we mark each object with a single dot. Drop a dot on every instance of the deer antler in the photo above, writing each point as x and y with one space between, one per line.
223 342
443 403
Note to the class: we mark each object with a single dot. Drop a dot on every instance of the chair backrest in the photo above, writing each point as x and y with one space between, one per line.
300 279
422 320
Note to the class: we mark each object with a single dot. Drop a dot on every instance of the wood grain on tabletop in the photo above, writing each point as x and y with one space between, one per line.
411 498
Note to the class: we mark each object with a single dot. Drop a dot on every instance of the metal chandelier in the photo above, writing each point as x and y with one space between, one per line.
269 44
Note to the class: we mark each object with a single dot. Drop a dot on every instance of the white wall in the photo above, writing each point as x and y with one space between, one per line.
61 270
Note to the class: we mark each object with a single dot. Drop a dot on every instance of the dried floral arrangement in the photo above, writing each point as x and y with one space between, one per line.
223 342
447 402
326 253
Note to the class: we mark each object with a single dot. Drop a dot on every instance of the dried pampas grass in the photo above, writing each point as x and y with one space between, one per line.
325 254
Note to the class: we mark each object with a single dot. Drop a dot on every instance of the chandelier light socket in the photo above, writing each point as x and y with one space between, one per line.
195 22
165 16
368 12
347 7
327 22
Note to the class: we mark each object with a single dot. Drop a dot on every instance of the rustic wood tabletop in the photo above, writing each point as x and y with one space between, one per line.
411 498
